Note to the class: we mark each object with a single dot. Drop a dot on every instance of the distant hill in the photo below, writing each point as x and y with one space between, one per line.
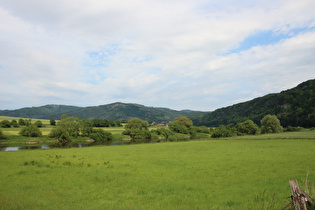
114 111
42 112
295 107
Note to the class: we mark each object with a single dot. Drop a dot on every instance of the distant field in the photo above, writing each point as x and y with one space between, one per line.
199 174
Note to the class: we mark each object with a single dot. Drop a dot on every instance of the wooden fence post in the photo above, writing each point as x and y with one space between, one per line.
299 198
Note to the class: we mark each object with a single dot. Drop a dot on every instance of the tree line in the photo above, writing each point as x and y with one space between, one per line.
137 129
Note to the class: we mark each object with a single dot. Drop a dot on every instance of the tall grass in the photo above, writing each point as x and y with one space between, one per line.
208 174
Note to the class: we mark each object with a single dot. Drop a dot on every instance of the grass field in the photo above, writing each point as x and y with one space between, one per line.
199 174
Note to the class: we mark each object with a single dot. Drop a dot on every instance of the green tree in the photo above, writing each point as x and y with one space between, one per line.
61 134
31 131
99 135
137 129
21 122
38 123
14 123
72 125
178 128
271 124
222 131
86 127
247 127
183 121
5 124
52 122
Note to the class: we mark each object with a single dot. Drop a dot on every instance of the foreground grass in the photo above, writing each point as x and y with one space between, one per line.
219 174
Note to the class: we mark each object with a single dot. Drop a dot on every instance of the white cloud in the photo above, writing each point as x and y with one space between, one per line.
159 53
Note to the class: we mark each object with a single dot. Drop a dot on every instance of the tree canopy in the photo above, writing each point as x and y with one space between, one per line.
271 124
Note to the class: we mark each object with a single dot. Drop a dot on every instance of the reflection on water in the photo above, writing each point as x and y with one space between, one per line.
7 148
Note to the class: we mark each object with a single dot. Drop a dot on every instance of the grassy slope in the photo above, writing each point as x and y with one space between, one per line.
207 174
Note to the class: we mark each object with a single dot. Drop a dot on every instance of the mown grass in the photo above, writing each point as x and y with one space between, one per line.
200 174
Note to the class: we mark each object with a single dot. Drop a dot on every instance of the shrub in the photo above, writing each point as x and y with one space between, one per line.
247 127
177 128
203 129
271 124
38 123
14 123
5 124
292 129
61 134
31 131
21 122
222 131
100 135
52 122
172 138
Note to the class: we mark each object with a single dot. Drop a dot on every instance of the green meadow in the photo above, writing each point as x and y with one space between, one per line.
232 173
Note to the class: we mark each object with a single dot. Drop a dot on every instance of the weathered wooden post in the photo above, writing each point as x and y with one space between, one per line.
299 198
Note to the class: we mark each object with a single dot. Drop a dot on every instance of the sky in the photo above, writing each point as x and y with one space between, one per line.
180 54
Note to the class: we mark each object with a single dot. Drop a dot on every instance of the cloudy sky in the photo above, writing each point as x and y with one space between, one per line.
181 54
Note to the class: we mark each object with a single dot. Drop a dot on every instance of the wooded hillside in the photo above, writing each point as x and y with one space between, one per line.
295 107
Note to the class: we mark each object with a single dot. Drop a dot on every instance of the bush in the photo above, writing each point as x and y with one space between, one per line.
292 129
52 122
38 123
177 128
172 138
203 129
5 124
100 135
15 124
31 131
21 122
163 132
61 135
271 124
222 131
247 127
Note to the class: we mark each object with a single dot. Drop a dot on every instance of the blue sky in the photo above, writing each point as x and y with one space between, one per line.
199 55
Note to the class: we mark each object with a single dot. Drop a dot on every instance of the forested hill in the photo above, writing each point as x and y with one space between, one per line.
115 111
295 107
42 112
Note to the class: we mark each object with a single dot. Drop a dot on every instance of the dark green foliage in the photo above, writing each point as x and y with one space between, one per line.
31 131
137 129
177 128
292 129
5 124
163 132
86 127
15 124
222 131
202 129
100 135
61 134
100 123
136 123
52 122
271 124
137 133
247 127
21 122
38 123
72 125
293 107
